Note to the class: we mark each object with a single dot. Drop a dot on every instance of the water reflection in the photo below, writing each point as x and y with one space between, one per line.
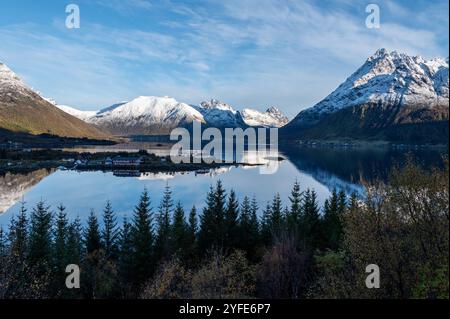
320 169
14 186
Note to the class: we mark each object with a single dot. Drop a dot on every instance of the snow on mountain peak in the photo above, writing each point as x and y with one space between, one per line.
216 104
271 118
149 110
9 81
387 78
219 114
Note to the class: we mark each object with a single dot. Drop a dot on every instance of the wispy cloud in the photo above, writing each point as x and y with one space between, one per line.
248 52
125 6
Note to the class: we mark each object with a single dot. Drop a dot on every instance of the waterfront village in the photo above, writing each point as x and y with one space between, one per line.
26 160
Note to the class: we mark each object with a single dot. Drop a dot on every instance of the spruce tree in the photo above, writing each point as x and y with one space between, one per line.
266 225
142 237
60 249
276 218
231 221
295 212
60 237
180 232
311 235
334 208
163 241
92 236
254 224
244 225
18 234
212 230
207 223
110 232
40 251
75 242
219 213
248 227
125 261
193 223
192 237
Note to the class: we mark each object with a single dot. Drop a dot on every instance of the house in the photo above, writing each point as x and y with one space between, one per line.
127 161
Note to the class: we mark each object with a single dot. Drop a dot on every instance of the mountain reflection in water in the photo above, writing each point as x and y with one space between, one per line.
316 168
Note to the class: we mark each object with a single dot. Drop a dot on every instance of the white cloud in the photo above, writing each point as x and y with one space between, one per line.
246 52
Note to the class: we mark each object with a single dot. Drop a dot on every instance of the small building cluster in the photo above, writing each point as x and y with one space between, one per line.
115 161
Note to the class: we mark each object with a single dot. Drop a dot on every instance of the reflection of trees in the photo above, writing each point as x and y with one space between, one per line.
356 166
14 186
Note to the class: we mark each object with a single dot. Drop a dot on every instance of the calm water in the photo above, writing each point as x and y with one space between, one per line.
319 169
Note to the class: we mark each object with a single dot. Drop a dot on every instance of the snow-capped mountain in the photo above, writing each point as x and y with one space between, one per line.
11 83
389 89
272 117
143 115
219 114
147 115
24 110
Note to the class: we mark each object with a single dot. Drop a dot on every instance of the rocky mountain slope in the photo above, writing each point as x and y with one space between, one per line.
24 110
219 114
392 96
272 117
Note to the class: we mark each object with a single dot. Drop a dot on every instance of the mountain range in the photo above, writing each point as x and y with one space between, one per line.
147 115
392 97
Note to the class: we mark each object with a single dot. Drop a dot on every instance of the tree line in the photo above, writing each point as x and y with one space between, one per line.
235 249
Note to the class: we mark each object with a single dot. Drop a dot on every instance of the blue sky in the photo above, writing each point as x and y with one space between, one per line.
249 53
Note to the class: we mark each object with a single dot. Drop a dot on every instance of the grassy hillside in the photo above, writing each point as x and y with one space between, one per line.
34 115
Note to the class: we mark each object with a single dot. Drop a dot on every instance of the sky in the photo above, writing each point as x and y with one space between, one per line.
248 53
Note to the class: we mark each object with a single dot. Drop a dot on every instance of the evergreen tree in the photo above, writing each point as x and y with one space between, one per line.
142 237
207 223
352 204
60 249
231 221
212 221
180 232
310 226
266 225
276 218
334 208
61 237
40 251
295 213
244 225
75 242
92 237
192 237
254 224
163 241
193 223
219 213
125 262
248 227
110 233
18 234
